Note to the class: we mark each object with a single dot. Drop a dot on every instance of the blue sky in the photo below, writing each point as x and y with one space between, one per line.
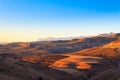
29 20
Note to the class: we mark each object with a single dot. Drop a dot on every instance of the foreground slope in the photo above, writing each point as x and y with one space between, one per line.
18 70
12 69
82 67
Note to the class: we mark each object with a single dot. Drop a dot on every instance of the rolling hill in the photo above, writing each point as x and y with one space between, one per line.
111 49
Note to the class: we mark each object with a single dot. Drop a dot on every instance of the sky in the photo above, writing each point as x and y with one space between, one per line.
30 20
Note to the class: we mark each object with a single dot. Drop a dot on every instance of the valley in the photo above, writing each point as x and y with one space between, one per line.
92 58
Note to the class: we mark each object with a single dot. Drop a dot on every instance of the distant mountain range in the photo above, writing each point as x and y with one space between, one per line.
109 35
3 42
70 38
56 39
